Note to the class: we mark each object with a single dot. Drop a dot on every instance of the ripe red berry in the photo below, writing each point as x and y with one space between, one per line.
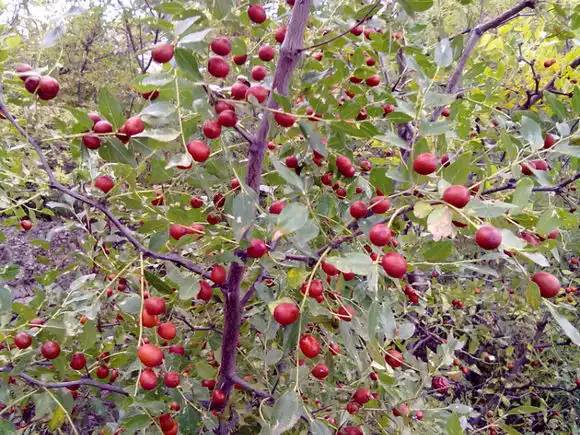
205 291
50 349
457 196
362 396
218 274
345 312
23 71
212 128
549 141
22 340
314 290
167 331
78 361
103 127
257 248
394 264
221 46
256 13
394 358
277 206
425 163
284 119
488 237
150 355
548 283
240 59
445 112
104 183
330 269
291 162
259 92
266 53
309 346
373 80
239 90
218 67
171 379
227 118
440 384
26 224
148 379
148 320
218 398
198 150
47 88
320 371
358 209
208 383
162 53
380 235
154 305
280 34
196 202
102 372
352 407
286 313
91 141
259 73
380 204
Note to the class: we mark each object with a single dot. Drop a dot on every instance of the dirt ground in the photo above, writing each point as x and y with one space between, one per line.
19 249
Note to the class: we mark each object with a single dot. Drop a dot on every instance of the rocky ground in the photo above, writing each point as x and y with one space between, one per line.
19 248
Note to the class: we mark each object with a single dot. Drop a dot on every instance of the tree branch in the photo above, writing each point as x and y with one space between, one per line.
248 387
370 12
289 56
123 229
557 188
474 37
67 384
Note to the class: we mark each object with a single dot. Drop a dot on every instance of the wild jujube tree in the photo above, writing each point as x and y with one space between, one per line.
318 218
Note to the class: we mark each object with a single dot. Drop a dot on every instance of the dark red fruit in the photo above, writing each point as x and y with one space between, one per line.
320 371
133 126
259 92
171 379
394 358
218 398
488 237
221 46
548 283
148 379
22 340
380 235
104 183
78 361
286 313
394 264
198 150
47 88
102 127
167 331
549 141
205 291
102 372
256 13
277 206
259 73
257 248
218 67
358 209
457 196
91 141
362 396
26 224
380 204
162 53
266 53
50 349
227 118
425 163
154 305
309 346
284 119
150 355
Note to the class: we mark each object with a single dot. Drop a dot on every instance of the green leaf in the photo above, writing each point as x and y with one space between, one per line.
524 409
437 251
422 209
313 137
533 296
489 209
522 193
458 171
564 323
9 272
113 151
187 64
319 428
293 217
569 150
131 304
158 283
289 176
443 53
532 132
195 37
286 412
58 418
110 108
354 262
412 6
5 300
243 211
163 134
509 430
575 101
547 222
454 425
